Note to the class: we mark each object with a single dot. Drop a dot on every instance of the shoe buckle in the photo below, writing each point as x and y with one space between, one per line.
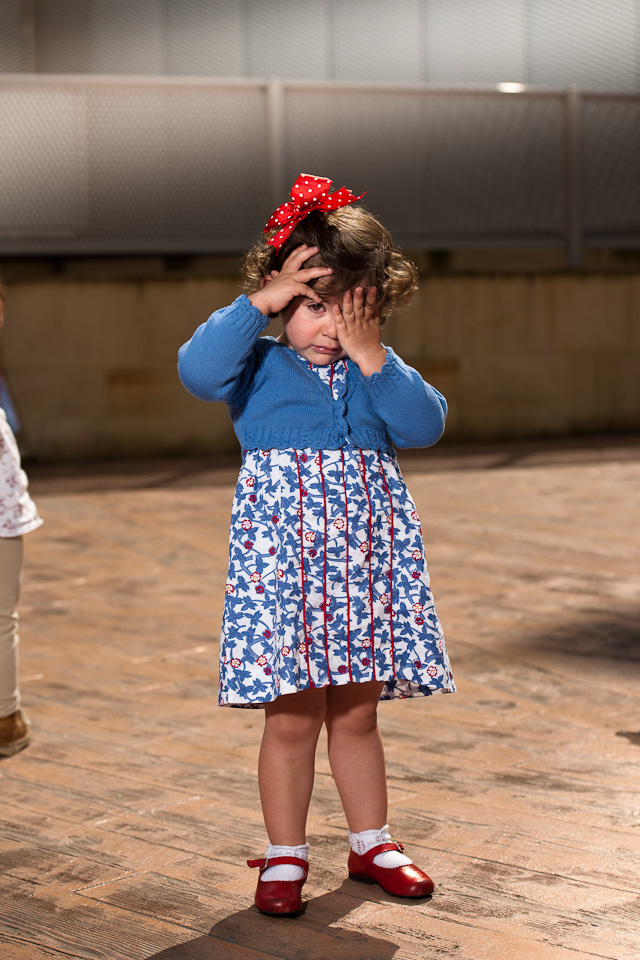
399 845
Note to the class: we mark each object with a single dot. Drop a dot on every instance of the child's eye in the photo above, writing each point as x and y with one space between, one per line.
316 307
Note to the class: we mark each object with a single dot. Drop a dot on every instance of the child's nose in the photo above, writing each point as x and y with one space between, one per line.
330 328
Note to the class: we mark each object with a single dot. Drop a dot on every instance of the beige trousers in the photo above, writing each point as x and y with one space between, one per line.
10 582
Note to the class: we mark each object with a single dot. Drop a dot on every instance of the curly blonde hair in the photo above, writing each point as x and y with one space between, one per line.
354 244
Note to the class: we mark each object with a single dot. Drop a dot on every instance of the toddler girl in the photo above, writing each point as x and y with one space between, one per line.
328 607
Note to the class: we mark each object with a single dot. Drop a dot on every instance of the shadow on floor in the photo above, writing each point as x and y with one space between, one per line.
249 934
630 736
221 468
614 637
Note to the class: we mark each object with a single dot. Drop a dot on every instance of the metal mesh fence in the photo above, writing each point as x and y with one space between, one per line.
442 168
44 163
130 167
610 135
553 43
127 165
174 168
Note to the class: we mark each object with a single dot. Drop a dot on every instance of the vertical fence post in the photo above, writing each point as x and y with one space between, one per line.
573 185
275 140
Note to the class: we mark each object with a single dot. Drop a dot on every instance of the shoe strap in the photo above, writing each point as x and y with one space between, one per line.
265 863
381 848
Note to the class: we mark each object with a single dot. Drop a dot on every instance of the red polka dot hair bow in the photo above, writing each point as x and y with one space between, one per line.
308 193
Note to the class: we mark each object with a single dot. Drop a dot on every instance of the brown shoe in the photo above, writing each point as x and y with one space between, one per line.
15 733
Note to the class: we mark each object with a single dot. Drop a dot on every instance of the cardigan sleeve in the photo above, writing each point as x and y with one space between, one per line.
217 362
413 411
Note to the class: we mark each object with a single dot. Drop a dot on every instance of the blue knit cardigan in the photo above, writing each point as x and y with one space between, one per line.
276 401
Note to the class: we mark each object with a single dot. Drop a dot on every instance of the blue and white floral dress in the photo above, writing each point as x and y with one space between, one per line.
328 582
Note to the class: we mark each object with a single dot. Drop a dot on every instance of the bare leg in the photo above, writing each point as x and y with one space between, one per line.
287 763
356 753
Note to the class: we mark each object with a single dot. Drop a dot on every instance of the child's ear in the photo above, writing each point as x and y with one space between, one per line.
265 280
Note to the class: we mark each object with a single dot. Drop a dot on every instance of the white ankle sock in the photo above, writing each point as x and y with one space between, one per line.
285 871
367 839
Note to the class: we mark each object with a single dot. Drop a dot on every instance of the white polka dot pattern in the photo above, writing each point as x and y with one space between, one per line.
308 193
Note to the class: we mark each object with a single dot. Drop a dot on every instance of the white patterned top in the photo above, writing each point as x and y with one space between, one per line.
18 512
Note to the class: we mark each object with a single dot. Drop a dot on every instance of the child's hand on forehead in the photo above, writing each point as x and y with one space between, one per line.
358 326
278 290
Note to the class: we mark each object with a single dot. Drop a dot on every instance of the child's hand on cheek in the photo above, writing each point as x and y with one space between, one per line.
358 326
278 290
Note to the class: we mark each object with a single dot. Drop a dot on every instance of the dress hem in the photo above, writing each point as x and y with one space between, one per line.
416 691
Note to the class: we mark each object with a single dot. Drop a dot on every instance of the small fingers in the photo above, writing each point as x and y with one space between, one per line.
311 273
362 306
293 268
348 306
303 290
371 304
358 303
298 257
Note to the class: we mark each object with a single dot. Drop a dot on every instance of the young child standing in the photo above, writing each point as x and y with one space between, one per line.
18 515
328 607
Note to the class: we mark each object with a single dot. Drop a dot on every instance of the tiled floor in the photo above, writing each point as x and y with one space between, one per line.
125 825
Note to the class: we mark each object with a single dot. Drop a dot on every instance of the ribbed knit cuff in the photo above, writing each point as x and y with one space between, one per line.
383 382
247 318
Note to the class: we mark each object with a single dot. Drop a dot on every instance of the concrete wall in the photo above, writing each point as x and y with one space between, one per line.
91 360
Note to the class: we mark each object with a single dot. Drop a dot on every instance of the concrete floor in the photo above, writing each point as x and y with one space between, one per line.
126 824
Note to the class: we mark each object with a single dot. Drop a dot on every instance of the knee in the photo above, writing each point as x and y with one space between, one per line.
357 719
303 724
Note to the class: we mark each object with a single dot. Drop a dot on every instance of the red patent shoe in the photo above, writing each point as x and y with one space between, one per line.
406 881
280 898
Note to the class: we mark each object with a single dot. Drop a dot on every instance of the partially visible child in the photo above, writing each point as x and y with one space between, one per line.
18 515
328 607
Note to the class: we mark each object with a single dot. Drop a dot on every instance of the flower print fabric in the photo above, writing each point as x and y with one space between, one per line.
18 513
328 582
